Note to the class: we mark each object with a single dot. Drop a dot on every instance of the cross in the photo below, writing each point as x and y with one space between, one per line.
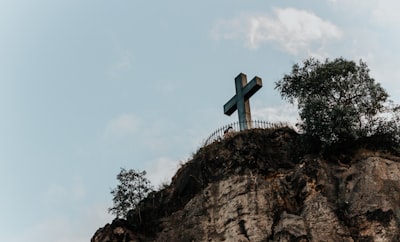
241 101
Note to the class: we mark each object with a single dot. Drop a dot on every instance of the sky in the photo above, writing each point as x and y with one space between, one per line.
88 87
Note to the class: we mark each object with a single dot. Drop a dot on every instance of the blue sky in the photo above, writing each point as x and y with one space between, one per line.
87 87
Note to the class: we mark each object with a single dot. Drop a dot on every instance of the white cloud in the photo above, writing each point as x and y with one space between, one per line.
162 170
123 125
387 12
383 12
284 113
293 30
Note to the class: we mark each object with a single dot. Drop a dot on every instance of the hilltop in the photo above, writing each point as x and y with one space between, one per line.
260 185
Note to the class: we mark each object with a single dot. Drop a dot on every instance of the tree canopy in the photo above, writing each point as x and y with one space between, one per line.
337 99
133 188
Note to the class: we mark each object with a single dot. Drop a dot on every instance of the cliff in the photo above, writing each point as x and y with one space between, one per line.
259 186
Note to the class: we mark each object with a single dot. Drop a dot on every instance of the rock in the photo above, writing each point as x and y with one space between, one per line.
290 227
118 230
242 195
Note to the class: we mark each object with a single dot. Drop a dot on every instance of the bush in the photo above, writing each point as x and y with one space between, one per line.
133 188
338 102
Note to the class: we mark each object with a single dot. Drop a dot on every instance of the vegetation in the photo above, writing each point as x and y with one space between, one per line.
133 188
339 102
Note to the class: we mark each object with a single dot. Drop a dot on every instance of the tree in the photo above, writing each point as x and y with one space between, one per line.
133 188
337 100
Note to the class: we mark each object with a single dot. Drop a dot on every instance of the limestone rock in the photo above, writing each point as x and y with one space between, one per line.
118 230
237 191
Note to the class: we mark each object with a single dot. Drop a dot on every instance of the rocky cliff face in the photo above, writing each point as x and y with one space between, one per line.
257 186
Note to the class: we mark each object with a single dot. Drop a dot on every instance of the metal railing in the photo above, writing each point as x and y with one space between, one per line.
229 129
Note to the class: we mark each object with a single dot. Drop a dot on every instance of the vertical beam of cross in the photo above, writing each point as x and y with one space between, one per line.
240 101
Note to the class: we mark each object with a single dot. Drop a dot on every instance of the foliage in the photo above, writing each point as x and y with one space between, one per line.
133 188
338 101
387 130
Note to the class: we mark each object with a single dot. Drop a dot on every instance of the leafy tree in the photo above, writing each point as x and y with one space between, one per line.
133 188
337 100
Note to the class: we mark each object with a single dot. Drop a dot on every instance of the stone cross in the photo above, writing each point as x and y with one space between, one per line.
241 101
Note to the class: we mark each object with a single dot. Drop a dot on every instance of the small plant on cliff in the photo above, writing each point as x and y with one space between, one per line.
338 101
133 188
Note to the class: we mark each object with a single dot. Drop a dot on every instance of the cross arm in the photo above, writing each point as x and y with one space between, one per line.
252 87
230 106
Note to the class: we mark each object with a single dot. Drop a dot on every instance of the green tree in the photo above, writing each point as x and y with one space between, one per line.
337 100
133 187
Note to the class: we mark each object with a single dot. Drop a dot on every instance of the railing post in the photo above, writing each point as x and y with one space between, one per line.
260 124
